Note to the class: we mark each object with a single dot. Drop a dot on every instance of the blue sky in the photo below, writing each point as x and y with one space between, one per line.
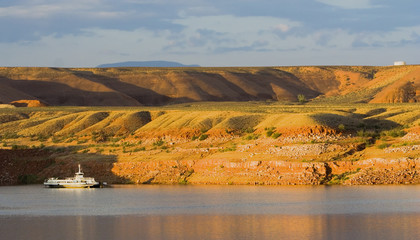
86 33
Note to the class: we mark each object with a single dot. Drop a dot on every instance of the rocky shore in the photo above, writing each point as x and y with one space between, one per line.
32 166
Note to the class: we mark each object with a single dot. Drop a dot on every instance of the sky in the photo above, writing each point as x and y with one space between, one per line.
86 33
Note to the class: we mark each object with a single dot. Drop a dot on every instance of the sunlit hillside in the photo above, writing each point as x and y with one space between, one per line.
160 86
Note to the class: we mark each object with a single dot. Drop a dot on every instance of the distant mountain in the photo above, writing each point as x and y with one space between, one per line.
145 64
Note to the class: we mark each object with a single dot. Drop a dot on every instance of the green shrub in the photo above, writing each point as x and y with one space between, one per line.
229 149
42 138
203 130
183 181
19 147
269 131
383 146
249 130
100 136
301 98
363 133
99 150
10 135
115 139
139 149
276 135
85 151
127 144
203 137
340 178
251 136
396 133
159 143
82 141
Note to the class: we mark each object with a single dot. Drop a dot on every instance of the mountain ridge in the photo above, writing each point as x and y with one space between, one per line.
145 64
161 86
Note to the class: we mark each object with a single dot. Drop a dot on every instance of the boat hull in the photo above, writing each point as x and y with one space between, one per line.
51 185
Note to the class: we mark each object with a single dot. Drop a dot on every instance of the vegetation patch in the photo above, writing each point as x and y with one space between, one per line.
383 145
398 132
251 136
232 148
28 179
203 137
340 178
159 143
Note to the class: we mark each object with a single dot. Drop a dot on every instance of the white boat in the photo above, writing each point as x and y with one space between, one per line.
78 181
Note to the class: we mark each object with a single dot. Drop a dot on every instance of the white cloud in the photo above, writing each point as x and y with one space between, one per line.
235 25
45 9
349 4
99 46
95 47
282 27
40 11
213 33
200 31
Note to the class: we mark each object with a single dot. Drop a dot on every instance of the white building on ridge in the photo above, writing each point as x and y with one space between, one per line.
400 63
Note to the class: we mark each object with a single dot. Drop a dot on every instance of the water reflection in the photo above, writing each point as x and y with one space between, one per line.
209 200
213 227
211 212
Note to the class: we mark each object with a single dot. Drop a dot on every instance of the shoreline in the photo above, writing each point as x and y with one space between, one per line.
374 171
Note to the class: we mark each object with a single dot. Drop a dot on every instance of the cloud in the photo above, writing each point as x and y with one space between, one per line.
258 46
215 34
346 4
357 43
25 20
209 30
46 9
282 27
34 18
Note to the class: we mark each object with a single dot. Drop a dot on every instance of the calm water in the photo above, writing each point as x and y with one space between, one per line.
210 212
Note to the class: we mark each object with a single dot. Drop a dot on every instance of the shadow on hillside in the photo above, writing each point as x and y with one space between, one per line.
141 95
376 111
262 85
354 122
60 94
217 83
26 166
290 82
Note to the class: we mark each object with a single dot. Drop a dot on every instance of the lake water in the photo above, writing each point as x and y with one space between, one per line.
210 212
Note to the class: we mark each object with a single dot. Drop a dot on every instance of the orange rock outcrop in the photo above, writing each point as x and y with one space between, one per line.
28 103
